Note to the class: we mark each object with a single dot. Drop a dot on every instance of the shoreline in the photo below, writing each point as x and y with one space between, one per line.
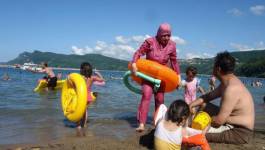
141 141
77 69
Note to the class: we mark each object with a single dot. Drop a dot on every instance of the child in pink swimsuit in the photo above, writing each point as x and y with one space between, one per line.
191 84
86 71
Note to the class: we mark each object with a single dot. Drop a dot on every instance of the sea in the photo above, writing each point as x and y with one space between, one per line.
30 117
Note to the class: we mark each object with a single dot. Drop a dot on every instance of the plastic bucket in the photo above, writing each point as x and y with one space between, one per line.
201 121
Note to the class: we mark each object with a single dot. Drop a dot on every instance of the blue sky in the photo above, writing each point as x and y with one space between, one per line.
116 28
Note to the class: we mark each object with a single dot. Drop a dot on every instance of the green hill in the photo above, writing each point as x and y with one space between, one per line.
249 63
72 61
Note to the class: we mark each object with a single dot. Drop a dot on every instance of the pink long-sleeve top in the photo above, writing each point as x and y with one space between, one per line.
154 51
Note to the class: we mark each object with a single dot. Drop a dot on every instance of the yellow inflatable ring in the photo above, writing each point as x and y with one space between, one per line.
74 97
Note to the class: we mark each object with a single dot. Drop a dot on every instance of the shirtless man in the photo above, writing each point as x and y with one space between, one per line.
51 78
233 122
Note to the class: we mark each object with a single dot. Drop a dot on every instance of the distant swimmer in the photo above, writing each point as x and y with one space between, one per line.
6 77
59 76
256 83
211 82
259 83
116 78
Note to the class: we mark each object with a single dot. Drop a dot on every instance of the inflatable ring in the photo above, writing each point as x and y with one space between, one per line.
99 83
74 97
127 74
43 84
169 78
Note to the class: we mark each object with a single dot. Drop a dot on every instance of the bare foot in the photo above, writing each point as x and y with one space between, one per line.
140 128
79 132
83 132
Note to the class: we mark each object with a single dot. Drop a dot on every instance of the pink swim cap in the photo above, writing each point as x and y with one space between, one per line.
164 29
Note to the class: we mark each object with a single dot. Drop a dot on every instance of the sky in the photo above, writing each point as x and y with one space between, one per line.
116 28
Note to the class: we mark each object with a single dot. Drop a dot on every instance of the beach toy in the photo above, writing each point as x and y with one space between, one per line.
127 74
93 95
43 84
169 78
102 83
74 97
201 120
198 140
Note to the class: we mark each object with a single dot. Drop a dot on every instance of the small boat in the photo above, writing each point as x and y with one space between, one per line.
31 66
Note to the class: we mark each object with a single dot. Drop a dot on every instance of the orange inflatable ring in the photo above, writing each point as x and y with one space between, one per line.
169 78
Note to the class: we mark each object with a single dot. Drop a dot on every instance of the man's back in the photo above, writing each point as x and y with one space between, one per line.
243 113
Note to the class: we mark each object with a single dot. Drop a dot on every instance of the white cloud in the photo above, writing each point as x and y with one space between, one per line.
241 47
139 38
235 12
258 9
193 55
122 40
122 48
78 51
178 40
81 51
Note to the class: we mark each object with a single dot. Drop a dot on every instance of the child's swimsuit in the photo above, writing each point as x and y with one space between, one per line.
190 90
165 139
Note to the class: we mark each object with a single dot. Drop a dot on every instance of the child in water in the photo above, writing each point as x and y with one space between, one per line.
170 127
86 72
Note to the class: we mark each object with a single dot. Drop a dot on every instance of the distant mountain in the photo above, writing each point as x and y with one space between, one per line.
249 63
72 61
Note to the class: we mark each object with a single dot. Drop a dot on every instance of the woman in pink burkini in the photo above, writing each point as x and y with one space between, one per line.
160 49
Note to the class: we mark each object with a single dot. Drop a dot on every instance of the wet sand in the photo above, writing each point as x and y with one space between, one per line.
119 135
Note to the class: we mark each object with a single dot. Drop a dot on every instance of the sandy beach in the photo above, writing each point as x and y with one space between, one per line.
100 137
34 121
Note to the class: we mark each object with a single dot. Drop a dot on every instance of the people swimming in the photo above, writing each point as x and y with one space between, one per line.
211 82
256 83
6 77
50 76
115 78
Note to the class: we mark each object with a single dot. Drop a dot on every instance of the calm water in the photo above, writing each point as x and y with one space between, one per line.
28 117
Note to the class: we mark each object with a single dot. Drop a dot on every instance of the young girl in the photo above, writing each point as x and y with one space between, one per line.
170 128
86 71
191 84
